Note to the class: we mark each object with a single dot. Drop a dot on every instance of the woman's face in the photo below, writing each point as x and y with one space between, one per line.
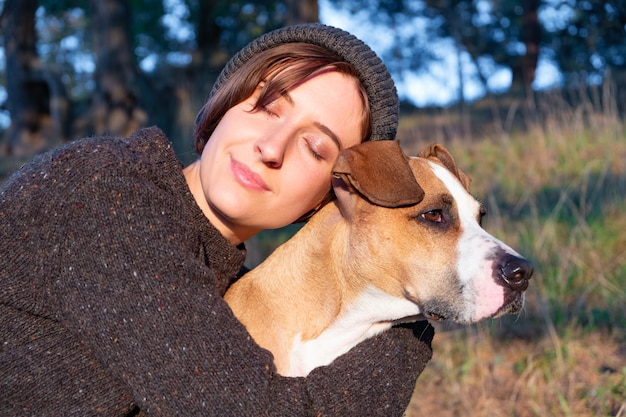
264 169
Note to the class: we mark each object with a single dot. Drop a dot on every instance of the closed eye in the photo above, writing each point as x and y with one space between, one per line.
318 147
315 155
433 216
265 109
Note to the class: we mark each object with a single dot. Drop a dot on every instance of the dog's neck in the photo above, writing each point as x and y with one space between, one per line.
310 291
298 272
371 313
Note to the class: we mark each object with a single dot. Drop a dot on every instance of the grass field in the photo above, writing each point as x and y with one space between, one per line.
555 191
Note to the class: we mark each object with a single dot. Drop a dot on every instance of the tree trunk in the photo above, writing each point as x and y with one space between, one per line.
116 109
32 128
524 71
208 35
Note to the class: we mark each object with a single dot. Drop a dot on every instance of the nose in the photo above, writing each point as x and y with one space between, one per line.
515 272
272 148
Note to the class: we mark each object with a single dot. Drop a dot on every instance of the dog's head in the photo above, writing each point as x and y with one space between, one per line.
418 215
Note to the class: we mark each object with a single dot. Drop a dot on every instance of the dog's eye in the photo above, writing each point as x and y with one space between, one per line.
434 216
481 215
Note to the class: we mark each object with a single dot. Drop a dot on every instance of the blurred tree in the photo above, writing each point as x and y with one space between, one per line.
590 41
116 107
584 39
32 126
78 67
510 37
401 27
124 64
530 36
302 11
493 33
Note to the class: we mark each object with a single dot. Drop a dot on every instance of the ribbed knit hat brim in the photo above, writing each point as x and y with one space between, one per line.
379 86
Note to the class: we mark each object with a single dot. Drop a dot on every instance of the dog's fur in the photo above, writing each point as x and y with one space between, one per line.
401 242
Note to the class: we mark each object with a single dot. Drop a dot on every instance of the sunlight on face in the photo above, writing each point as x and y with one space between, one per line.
264 169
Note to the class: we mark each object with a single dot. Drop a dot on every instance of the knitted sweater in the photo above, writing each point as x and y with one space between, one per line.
111 285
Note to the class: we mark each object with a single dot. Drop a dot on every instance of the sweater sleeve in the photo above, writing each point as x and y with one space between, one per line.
121 269
375 378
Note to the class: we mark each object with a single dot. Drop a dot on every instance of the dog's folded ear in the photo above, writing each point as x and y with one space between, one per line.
444 156
380 172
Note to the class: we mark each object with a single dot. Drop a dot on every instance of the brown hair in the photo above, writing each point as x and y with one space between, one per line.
282 68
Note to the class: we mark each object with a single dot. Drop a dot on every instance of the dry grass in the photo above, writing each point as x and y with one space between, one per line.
556 191
474 374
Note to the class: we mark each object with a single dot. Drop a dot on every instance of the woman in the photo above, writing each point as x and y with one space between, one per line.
115 258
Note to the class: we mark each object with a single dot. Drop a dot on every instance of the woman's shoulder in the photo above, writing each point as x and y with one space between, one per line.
144 145
147 152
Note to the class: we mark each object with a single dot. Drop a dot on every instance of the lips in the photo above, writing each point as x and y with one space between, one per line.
246 177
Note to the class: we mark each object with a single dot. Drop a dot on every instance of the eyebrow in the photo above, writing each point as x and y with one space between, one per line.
327 130
330 133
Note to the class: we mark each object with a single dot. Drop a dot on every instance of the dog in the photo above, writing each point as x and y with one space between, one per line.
401 242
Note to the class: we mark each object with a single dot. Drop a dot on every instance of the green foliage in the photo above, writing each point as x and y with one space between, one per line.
147 27
165 32
63 44
59 7
591 40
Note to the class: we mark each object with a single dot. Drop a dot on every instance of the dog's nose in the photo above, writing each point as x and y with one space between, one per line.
515 272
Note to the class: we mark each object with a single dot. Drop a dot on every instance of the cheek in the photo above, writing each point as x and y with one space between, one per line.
212 168
309 184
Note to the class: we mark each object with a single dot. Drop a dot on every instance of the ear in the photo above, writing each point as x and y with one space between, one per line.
345 197
379 171
444 156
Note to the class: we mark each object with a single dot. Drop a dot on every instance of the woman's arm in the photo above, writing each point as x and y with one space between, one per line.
375 378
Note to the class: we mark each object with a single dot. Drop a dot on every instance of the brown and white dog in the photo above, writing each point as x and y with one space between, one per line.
403 241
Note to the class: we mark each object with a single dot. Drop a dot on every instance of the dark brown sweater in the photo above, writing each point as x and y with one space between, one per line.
111 285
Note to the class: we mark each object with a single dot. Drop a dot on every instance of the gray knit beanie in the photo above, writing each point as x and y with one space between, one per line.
379 86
